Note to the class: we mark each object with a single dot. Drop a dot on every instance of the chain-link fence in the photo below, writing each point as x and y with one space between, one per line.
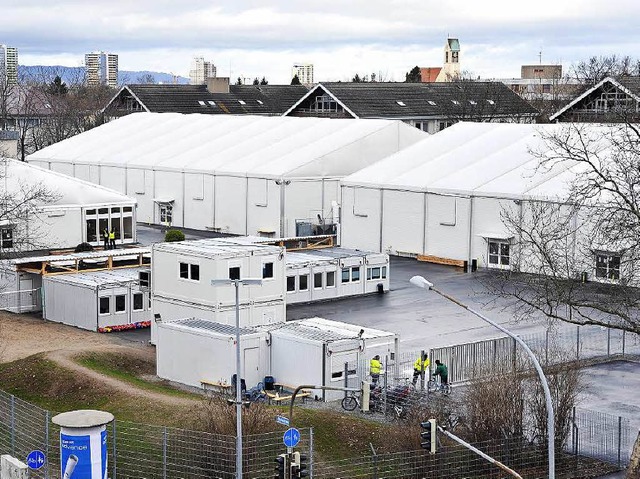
599 442
21 301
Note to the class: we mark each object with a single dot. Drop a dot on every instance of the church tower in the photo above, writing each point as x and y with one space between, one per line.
451 68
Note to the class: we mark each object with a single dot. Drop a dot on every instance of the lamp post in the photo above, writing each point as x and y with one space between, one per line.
421 282
237 283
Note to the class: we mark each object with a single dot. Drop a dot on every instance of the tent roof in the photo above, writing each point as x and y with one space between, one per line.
69 191
480 159
235 145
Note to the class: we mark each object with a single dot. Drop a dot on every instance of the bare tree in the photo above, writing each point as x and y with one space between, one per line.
591 71
21 213
591 233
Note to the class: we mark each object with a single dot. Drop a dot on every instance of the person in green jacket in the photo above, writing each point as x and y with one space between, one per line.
441 370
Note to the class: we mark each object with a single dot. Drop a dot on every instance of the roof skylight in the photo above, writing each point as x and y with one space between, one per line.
202 103
242 102
211 102
401 103
431 102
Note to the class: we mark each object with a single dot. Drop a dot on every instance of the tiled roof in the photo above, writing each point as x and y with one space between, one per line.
241 99
429 74
467 99
632 83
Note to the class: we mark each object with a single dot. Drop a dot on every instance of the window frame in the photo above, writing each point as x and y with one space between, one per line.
499 254
140 295
9 231
100 298
610 258
265 271
315 278
306 279
116 297
333 281
294 283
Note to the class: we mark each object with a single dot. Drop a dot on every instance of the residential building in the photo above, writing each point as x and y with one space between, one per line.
304 72
430 107
613 99
201 70
8 64
217 96
102 69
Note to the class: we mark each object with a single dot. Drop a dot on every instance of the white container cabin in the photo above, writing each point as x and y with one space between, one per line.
190 351
97 299
332 273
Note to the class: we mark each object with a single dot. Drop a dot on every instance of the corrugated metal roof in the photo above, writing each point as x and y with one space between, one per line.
325 330
84 255
217 246
211 326
99 278
242 145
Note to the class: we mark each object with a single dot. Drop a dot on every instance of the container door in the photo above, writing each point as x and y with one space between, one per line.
251 367
25 296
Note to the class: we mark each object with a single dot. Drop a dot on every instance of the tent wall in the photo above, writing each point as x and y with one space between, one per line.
403 214
230 204
169 184
198 200
263 206
361 218
447 227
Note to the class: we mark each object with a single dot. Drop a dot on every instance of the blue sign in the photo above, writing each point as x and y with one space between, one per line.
291 437
282 420
83 457
36 459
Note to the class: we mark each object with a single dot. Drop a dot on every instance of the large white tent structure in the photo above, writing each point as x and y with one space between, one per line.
238 174
442 197
43 209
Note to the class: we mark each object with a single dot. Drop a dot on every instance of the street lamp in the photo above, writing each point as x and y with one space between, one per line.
237 283
421 282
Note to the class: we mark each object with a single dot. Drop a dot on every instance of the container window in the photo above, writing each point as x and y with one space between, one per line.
267 270
234 272
331 279
127 224
355 273
345 275
317 280
384 272
103 211
104 305
195 272
303 281
121 303
138 301
127 209
90 212
291 283
375 273
184 270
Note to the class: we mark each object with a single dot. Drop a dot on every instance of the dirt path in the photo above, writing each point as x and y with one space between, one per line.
24 335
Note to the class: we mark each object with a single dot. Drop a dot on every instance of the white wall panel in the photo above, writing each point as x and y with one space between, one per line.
230 204
263 206
168 184
198 199
360 218
303 201
447 226
403 221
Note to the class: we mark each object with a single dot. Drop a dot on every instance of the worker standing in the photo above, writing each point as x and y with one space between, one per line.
112 239
420 365
105 238
375 367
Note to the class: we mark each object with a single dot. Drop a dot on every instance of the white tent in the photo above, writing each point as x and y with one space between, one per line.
442 197
240 174
72 211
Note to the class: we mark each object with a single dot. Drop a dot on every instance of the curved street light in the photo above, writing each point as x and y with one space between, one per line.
421 282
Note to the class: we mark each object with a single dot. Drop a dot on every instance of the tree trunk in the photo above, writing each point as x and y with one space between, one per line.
633 471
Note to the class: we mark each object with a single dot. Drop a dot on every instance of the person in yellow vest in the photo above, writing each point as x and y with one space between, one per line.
375 367
420 366
112 239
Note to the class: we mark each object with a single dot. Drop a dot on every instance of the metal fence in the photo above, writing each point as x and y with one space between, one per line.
21 301
142 450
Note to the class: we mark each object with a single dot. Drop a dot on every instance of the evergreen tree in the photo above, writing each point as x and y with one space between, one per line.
413 76
295 80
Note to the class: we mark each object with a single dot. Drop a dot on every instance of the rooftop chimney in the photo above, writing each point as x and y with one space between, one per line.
218 84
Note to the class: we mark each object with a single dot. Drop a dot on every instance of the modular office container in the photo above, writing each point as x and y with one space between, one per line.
182 274
192 350
331 273
96 300
315 350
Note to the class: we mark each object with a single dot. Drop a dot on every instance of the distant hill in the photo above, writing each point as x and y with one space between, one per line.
74 74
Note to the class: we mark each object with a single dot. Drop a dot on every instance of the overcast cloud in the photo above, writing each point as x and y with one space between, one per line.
341 38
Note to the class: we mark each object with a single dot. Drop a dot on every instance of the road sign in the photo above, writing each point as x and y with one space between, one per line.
282 420
291 437
36 459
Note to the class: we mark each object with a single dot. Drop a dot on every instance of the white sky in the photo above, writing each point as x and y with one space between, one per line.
254 38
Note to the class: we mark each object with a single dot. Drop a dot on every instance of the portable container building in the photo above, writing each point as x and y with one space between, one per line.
181 281
315 351
193 350
331 273
96 300
238 174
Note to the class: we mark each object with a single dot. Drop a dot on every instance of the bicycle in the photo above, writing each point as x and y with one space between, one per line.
436 386
351 401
